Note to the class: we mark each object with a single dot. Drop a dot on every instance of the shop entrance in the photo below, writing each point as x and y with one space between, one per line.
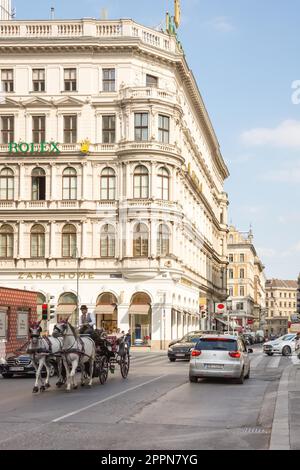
140 316
106 312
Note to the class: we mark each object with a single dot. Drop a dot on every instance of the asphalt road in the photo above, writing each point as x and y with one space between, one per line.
154 408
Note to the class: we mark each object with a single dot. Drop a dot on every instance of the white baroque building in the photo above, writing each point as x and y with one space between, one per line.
134 222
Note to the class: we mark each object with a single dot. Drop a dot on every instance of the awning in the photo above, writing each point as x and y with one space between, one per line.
136 309
105 309
65 309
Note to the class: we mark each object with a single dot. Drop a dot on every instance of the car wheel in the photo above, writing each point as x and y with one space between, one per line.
286 351
7 376
240 380
172 359
269 354
193 379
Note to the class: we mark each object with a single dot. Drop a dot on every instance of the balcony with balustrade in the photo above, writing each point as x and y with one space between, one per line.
87 28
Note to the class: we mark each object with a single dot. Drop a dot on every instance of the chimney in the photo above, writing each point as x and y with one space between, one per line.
5 10
52 14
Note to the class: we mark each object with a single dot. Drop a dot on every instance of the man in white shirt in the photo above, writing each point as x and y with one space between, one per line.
87 321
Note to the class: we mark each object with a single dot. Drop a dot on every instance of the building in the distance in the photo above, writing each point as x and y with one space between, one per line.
111 176
281 303
246 281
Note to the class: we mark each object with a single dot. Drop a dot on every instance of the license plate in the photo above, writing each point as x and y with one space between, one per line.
214 366
16 369
180 355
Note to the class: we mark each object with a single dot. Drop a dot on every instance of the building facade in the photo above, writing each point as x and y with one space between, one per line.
111 176
281 303
246 281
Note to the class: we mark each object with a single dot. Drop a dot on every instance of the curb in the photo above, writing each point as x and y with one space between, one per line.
280 435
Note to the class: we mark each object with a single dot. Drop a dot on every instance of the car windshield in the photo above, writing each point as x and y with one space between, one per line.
216 344
286 338
190 339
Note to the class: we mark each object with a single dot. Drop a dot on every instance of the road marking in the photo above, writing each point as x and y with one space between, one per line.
274 362
295 360
106 399
255 361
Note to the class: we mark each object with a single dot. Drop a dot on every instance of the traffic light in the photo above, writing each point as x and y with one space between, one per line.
45 312
51 310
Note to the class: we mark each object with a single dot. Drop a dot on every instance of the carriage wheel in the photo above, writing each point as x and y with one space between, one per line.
103 370
124 365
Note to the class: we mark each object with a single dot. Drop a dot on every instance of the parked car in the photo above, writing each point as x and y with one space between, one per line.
221 356
22 365
284 345
182 348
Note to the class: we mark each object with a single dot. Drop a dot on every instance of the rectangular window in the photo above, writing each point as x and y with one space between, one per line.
70 79
38 129
7 129
38 80
242 291
22 323
230 258
7 79
242 274
3 323
230 291
70 129
242 258
163 129
141 127
109 129
109 80
151 81
230 272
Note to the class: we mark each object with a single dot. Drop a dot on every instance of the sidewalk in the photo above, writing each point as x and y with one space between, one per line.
286 424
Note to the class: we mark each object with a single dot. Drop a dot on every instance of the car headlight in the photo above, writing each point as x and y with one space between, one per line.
3 360
170 349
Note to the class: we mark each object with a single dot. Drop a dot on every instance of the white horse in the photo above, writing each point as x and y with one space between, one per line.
41 349
76 351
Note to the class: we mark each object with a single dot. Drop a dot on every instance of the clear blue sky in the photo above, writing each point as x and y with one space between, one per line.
245 57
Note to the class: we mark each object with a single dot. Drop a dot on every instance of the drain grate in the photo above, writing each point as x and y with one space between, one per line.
254 431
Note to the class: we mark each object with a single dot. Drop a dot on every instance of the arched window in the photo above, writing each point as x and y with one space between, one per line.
69 183
108 242
6 184
37 236
108 184
163 240
69 236
38 184
163 184
141 182
6 241
140 241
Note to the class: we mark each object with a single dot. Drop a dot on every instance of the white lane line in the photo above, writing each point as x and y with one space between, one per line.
295 360
106 399
255 361
150 361
274 362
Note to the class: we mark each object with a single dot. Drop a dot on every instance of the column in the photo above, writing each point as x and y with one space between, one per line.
21 243
53 183
83 238
123 317
22 182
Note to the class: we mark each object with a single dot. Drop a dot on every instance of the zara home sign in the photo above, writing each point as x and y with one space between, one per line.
25 148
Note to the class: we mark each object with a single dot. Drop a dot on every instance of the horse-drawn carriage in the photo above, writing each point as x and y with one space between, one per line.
110 351
95 353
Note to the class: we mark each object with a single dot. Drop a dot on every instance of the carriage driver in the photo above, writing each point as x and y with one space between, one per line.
87 321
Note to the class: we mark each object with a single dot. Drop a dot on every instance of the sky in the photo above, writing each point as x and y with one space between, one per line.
245 57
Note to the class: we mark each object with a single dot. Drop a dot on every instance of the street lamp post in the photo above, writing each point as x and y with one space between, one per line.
76 255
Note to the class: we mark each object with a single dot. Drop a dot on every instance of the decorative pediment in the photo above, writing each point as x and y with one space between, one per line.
36 102
9 102
68 101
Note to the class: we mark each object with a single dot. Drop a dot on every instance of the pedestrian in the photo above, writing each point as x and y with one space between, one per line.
128 339
297 345
87 321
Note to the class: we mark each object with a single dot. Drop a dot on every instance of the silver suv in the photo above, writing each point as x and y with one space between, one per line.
221 356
